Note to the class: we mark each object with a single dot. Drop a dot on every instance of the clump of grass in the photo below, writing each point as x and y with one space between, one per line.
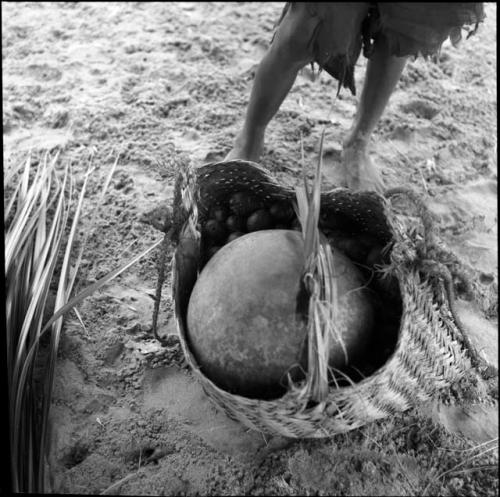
467 463
41 217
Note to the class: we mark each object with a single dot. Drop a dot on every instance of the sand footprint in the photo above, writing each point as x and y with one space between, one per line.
421 109
44 72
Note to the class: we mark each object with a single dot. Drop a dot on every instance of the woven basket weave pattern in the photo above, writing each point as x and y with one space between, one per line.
428 355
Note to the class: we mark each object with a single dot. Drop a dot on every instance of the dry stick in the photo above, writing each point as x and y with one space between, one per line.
119 483
126 249
423 181
78 315
159 284
477 468
491 441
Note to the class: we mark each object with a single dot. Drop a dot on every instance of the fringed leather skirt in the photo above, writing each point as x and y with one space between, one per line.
343 29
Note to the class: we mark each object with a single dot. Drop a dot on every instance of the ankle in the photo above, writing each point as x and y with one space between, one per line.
247 146
252 133
357 142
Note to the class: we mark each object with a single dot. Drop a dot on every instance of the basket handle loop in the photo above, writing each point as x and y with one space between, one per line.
440 262
184 218
423 212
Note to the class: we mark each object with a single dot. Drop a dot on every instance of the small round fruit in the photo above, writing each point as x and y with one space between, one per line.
234 235
260 220
236 223
243 203
220 214
212 251
282 211
352 247
215 231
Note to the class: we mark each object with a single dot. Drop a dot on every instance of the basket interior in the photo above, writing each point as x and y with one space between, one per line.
353 223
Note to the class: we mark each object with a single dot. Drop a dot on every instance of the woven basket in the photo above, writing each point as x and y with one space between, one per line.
429 352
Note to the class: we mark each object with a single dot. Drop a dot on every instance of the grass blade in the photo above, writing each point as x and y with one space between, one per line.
94 216
11 203
98 284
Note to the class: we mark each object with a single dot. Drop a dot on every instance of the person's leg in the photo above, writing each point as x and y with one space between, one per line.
288 53
382 74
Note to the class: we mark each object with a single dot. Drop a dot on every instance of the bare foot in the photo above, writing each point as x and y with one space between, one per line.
359 172
246 149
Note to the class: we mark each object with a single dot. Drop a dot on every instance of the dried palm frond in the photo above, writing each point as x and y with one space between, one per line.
36 241
320 283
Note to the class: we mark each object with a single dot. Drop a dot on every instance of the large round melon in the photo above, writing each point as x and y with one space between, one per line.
244 327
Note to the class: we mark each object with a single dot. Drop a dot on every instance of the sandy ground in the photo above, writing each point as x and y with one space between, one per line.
158 84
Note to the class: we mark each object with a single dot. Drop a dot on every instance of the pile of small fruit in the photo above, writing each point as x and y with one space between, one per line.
245 213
